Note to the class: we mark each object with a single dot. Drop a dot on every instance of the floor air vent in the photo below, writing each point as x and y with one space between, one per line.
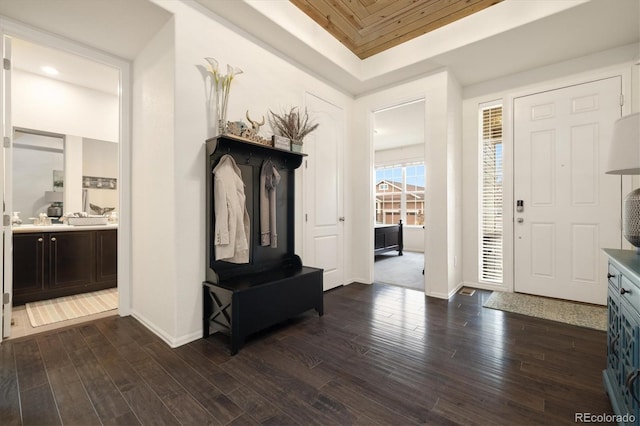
467 292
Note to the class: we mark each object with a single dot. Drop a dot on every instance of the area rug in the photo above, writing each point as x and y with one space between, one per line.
64 308
583 315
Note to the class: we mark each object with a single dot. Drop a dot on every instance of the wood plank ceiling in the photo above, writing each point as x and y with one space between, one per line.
367 27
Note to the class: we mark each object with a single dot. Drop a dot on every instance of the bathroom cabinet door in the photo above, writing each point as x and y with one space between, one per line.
107 255
71 257
28 263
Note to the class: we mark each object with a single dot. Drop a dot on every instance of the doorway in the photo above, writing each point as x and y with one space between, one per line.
568 208
56 93
399 194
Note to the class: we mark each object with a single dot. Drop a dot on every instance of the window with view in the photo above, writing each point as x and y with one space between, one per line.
491 194
399 194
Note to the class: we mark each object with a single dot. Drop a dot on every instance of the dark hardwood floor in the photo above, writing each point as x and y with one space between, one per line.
380 355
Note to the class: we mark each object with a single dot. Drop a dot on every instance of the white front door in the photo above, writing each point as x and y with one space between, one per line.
322 171
570 208
6 133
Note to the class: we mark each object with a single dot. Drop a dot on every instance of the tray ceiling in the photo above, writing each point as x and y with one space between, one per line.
367 27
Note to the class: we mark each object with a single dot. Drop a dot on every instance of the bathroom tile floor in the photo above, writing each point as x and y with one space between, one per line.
21 326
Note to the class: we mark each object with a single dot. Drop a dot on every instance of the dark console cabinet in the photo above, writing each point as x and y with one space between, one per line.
55 264
622 374
241 299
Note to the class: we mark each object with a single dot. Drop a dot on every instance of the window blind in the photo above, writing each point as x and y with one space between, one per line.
491 199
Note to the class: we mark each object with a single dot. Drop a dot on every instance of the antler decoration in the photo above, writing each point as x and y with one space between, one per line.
254 124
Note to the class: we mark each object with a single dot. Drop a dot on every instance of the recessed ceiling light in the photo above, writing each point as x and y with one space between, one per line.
50 70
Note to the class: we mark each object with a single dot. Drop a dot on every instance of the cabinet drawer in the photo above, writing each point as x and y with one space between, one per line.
613 276
630 293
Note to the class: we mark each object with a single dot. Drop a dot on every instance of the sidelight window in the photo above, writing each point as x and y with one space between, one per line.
491 247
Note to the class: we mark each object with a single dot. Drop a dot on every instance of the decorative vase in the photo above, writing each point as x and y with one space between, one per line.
219 88
221 112
296 146
631 218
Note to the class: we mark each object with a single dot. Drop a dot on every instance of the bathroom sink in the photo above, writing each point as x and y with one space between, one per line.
87 221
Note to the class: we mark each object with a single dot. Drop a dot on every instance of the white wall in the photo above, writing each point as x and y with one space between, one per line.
441 148
454 186
611 62
169 162
153 187
404 154
50 105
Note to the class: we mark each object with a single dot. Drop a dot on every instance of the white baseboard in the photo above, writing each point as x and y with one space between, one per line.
169 340
446 296
485 286
456 289
183 340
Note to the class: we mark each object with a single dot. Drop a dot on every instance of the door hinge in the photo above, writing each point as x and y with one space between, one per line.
6 298
6 64
7 142
306 217
306 165
621 99
6 220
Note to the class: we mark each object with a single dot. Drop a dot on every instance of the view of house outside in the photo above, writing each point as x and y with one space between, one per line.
400 195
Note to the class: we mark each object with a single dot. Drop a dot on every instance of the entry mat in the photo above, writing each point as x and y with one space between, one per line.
580 314
64 308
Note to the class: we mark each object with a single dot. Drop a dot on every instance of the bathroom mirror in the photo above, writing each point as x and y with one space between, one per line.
57 174
38 172
99 176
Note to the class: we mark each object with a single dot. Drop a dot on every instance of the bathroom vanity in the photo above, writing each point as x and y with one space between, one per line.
61 260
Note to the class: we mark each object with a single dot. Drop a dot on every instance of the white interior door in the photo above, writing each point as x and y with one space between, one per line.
322 171
6 131
571 208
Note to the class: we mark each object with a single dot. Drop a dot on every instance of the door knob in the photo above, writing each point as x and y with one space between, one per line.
520 220
341 218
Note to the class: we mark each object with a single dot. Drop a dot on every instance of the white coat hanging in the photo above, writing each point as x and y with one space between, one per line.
231 231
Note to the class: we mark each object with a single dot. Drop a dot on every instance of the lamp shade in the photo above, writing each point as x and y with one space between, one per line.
624 154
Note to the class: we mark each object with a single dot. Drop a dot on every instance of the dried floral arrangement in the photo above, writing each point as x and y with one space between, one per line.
292 124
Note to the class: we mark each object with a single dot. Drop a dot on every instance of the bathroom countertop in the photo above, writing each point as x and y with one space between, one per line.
25 229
